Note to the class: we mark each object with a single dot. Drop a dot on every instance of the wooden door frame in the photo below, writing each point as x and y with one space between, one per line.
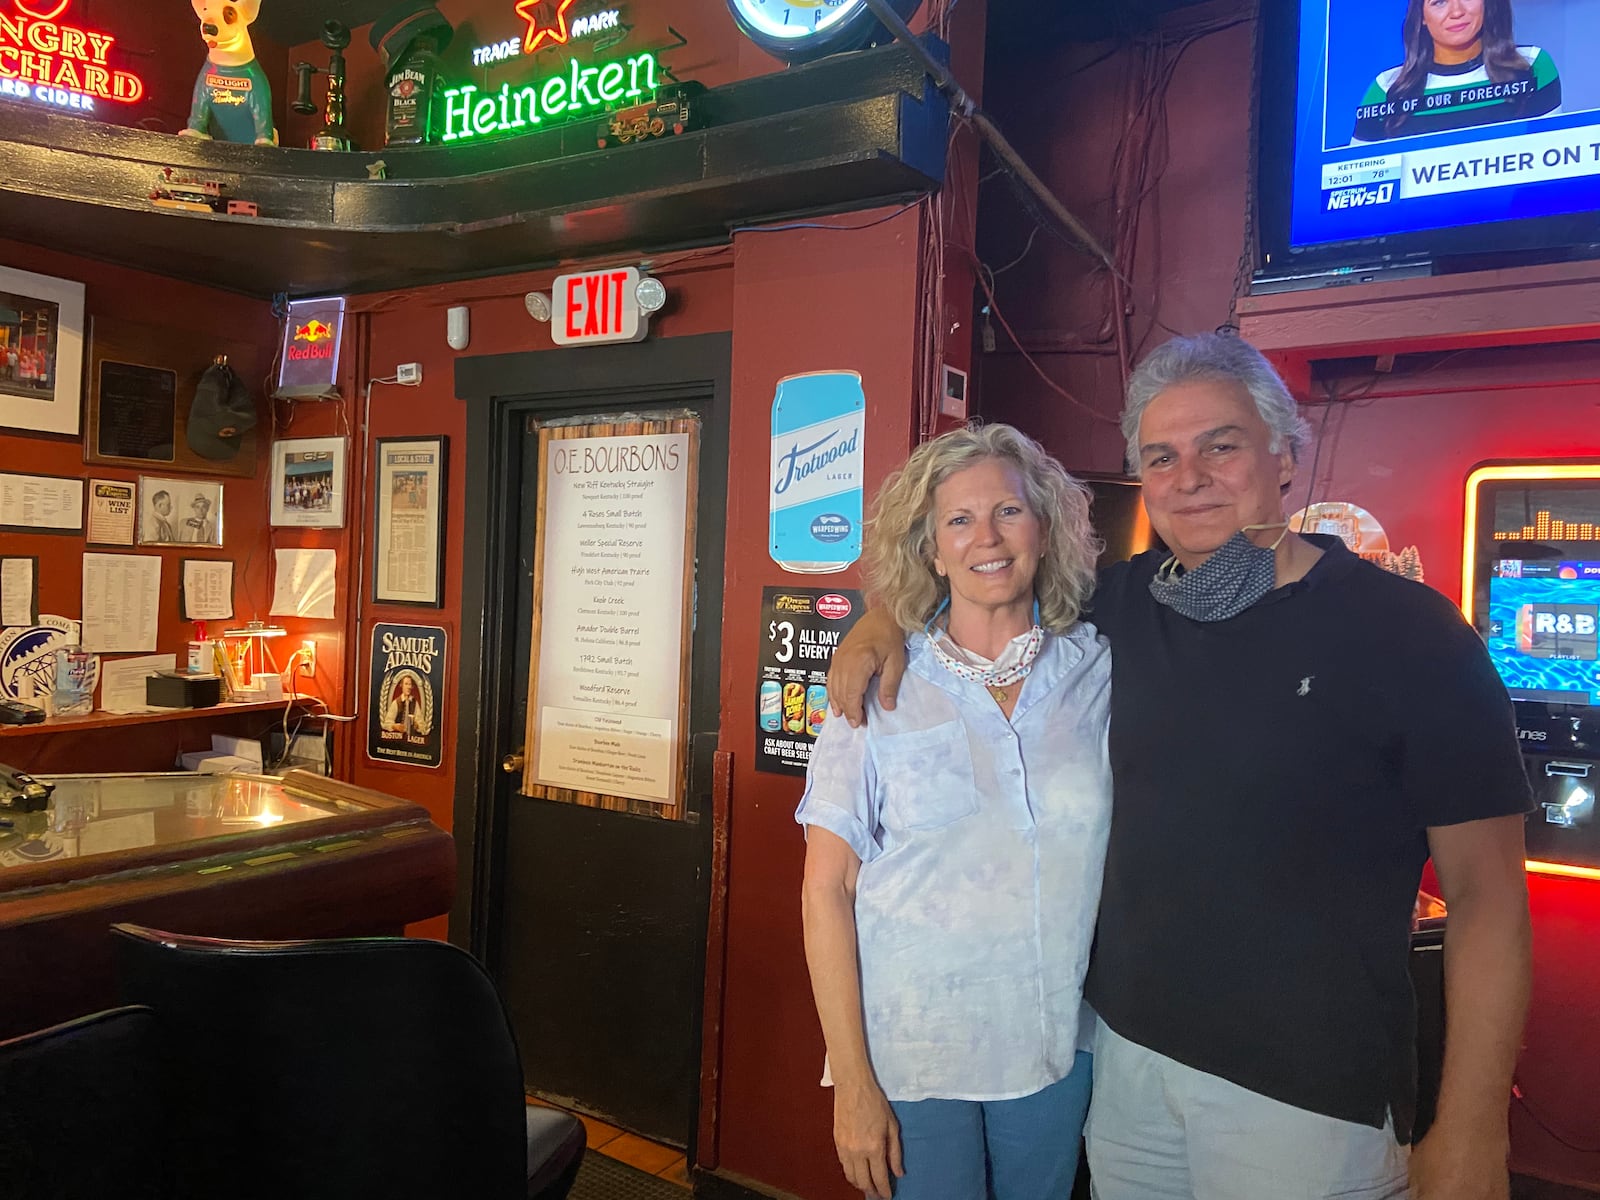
502 389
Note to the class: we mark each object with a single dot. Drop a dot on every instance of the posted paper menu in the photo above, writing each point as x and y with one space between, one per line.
41 502
16 591
207 589
121 597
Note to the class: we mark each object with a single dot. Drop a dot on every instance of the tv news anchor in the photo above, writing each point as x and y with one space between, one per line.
1293 733
954 846
1463 68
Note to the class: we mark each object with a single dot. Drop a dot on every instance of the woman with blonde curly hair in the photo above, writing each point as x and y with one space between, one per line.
955 844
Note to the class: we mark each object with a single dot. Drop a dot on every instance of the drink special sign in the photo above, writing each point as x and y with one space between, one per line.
800 629
47 59
612 635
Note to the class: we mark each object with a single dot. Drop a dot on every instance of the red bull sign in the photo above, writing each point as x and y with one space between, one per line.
309 362
47 60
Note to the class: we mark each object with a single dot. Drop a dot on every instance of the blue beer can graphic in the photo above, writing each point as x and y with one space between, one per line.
771 706
818 471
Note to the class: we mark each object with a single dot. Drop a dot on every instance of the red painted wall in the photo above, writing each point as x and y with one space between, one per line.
410 327
116 292
775 1122
1056 297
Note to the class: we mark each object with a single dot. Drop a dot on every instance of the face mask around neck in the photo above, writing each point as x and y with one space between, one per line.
1235 576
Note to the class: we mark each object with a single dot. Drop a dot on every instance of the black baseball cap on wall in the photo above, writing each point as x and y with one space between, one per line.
222 413
394 31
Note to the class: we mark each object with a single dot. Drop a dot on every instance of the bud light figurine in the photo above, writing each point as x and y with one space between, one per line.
232 98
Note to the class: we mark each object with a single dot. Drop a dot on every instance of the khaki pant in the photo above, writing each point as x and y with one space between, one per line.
1159 1130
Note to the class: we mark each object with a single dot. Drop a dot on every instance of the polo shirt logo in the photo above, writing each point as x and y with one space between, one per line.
1305 686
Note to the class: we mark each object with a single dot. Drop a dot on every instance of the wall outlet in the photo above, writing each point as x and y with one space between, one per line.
408 373
308 654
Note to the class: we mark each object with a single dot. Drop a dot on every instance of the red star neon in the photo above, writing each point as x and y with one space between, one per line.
547 21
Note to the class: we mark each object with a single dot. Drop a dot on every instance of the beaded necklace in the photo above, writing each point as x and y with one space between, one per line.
994 677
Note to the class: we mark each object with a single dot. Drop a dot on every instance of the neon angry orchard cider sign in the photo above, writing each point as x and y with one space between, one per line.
49 60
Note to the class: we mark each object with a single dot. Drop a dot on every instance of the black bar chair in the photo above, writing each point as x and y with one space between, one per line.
81 1111
343 1069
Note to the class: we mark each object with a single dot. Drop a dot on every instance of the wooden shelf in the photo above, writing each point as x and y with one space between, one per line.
1539 305
106 720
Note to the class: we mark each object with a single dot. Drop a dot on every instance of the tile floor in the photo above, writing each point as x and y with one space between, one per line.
664 1162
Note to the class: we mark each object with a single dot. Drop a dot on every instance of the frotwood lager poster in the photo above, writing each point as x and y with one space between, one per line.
800 629
405 701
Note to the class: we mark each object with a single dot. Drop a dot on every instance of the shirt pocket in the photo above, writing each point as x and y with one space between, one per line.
926 777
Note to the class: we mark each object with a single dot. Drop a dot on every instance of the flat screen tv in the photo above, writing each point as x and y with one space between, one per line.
1407 130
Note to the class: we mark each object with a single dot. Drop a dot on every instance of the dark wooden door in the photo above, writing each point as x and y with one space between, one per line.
593 922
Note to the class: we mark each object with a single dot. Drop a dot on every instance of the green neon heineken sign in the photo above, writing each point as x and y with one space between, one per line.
469 113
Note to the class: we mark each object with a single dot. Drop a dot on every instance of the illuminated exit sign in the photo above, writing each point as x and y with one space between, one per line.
597 307
575 92
49 61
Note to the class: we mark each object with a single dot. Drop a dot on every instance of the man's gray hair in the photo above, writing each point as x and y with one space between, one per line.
1215 356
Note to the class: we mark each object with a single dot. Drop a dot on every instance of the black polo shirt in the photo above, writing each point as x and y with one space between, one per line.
1275 775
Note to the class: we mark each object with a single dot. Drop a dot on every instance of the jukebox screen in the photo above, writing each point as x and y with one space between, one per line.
1538 587
1543 629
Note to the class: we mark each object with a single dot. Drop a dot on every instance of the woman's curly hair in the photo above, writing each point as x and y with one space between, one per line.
899 546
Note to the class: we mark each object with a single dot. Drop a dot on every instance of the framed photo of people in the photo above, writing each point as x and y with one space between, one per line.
41 352
408 506
308 483
180 512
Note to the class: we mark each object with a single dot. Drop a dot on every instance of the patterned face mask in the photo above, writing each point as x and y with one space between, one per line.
1237 574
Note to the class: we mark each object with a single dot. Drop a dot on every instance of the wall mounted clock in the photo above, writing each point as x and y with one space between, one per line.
800 30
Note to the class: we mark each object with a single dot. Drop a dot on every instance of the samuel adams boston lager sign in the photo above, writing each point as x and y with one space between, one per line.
405 698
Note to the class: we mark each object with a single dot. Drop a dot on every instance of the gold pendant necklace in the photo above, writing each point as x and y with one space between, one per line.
999 693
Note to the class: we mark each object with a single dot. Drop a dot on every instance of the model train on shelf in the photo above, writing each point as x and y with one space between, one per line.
197 195
673 108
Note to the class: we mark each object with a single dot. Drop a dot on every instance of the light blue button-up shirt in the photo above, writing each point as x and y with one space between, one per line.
982 843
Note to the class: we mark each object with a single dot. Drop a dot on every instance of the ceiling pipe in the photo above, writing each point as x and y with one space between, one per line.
990 132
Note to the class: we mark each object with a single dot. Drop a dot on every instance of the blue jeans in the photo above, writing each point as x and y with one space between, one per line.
1024 1149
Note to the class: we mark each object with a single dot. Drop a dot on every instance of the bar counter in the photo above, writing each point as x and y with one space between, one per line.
242 856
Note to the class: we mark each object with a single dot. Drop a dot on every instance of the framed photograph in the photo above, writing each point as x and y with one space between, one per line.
41 352
408 507
180 512
308 483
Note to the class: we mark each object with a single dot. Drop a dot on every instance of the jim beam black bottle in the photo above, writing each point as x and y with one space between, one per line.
412 86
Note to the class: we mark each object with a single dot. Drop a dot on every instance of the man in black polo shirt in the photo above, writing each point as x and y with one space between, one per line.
1293 733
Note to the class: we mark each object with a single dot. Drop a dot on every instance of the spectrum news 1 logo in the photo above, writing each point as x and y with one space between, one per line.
1364 196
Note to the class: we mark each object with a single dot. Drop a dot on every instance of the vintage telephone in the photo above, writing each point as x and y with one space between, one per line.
21 792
